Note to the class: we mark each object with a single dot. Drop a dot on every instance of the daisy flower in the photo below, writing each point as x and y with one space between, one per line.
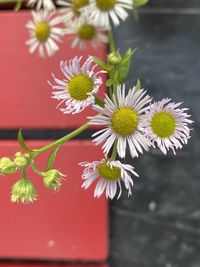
122 118
71 8
110 174
81 82
46 4
167 125
102 11
86 32
44 32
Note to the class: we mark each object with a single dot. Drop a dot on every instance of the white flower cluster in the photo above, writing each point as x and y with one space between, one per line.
129 120
87 20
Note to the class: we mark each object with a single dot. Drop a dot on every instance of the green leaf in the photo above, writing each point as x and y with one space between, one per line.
127 57
124 67
22 142
52 158
137 4
99 101
18 5
138 85
118 74
109 82
101 64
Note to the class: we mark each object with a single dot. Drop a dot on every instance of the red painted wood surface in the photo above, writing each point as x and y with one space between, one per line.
25 96
52 265
65 225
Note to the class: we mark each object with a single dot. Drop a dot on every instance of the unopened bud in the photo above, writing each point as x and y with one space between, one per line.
20 160
7 166
52 179
18 154
23 191
114 58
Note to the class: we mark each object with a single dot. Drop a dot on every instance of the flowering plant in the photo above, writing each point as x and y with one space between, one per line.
130 119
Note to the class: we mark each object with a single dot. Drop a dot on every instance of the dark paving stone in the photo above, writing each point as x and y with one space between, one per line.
160 224
148 242
174 3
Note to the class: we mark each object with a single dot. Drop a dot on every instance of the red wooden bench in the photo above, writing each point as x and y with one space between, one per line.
69 225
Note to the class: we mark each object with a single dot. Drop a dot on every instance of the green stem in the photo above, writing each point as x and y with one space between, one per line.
99 101
35 169
111 41
60 141
115 89
7 1
18 5
114 151
24 174
110 92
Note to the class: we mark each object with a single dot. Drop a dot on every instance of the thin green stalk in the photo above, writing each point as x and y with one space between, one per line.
7 1
18 2
35 169
114 151
110 92
60 141
18 5
111 41
24 174
115 89
99 101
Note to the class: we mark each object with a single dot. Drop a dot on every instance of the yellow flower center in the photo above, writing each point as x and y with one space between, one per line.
42 31
124 121
86 32
109 173
105 5
79 87
163 124
77 4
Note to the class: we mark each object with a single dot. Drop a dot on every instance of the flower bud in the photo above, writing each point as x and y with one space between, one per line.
20 160
18 154
52 179
7 166
23 191
114 58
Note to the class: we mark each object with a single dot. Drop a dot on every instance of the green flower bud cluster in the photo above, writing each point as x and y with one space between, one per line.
52 179
9 166
23 191
117 66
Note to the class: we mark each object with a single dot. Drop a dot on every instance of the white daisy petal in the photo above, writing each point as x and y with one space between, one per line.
88 182
45 4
